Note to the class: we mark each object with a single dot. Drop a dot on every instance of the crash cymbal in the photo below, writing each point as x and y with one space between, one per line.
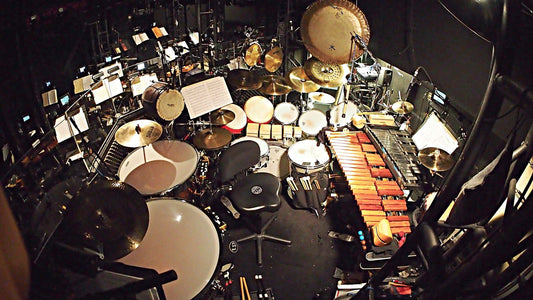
212 139
138 133
253 53
107 213
324 74
274 85
300 82
273 59
402 107
221 117
243 79
435 159
327 29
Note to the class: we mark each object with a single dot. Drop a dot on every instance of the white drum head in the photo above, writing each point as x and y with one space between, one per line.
286 113
239 122
321 97
335 116
308 155
170 105
182 238
259 109
312 121
168 164
263 145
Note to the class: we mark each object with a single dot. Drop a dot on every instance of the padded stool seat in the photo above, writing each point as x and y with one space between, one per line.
257 192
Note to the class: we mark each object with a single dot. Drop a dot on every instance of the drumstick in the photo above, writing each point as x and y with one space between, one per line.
242 288
246 289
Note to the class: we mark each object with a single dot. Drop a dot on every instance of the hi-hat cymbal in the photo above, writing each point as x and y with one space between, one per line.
138 133
402 107
435 159
324 74
328 28
243 79
110 213
274 85
253 53
300 82
273 59
221 117
212 139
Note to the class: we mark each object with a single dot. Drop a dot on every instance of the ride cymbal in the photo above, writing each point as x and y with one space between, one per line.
253 54
273 59
138 133
274 85
243 79
324 74
435 159
402 107
221 117
328 28
212 139
300 82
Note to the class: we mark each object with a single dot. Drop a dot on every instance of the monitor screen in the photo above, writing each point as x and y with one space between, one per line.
108 59
82 69
26 118
64 99
439 97
140 66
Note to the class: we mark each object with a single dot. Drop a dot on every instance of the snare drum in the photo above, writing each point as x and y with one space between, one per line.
239 122
259 109
163 102
180 237
306 157
286 113
263 149
312 122
335 117
159 167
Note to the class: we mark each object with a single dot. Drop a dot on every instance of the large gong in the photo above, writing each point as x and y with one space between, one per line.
328 28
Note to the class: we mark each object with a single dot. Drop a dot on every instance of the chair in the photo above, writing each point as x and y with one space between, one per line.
251 194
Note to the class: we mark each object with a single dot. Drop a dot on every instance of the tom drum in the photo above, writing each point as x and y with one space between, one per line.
286 113
259 109
312 121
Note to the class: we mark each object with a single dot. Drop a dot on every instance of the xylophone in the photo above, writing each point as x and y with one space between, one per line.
372 184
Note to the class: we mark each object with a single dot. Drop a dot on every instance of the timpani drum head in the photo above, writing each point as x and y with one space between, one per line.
307 155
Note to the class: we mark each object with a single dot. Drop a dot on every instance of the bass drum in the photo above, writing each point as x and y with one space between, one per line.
180 237
162 102
159 167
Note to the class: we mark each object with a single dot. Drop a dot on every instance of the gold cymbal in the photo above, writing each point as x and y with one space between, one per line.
212 139
300 82
435 159
221 117
324 74
243 79
138 133
402 107
274 85
273 59
327 29
253 53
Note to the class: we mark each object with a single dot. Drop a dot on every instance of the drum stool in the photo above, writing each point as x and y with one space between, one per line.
253 193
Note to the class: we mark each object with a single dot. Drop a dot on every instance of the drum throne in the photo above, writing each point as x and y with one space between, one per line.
251 194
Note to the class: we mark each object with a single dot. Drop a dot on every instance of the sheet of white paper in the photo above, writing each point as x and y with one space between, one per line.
144 82
101 93
206 96
62 127
163 31
433 133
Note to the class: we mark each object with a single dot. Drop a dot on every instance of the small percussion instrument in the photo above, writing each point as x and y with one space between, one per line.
306 157
286 113
259 109
239 122
159 167
183 238
312 121
163 102
263 149
341 115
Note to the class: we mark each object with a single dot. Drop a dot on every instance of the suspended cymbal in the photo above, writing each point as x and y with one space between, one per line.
221 117
274 85
402 107
243 79
300 82
212 139
327 29
253 53
324 74
110 213
273 59
138 133
435 159
321 97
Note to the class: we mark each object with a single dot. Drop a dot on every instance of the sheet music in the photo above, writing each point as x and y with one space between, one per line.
206 96
49 97
114 87
62 129
433 133
143 82
82 84
163 31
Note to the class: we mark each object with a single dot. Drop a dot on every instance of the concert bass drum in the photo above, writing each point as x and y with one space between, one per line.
162 102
